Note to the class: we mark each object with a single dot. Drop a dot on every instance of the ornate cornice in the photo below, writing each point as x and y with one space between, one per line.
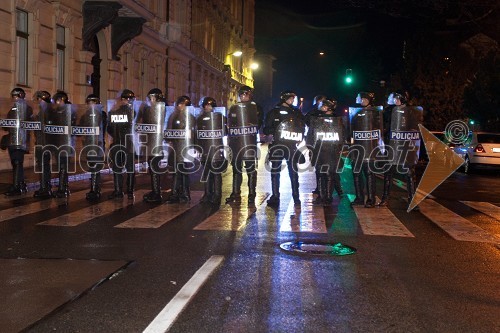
97 15
124 29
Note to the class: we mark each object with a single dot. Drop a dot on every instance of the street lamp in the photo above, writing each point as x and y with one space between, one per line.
236 53
254 65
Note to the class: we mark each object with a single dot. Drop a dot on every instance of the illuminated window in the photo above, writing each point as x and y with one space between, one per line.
22 47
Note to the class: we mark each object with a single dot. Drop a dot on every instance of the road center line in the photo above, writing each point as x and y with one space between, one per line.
173 309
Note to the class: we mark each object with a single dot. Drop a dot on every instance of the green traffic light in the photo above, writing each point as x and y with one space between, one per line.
348 79
471 122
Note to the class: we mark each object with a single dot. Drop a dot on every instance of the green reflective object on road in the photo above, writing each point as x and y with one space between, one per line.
337 249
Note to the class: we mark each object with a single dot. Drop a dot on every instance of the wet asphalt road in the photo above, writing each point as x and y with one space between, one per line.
95 277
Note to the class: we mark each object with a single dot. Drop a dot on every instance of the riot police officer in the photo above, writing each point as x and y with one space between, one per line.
286 124
402 138
42 156
94 117
309 138
18 140
151 121
366 130
210 128
180 134
121 120
60 118
327 132
244 120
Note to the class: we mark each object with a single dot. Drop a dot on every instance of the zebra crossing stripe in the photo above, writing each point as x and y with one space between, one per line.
232 217
456 226
159 215
34 207
94 211
307 218
485 208
380 221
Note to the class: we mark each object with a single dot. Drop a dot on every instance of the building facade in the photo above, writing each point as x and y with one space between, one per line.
183 47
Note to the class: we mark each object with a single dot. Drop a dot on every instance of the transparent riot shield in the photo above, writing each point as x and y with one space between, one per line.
57 123
150 125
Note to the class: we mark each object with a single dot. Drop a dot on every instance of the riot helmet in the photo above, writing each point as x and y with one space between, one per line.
245 90
43 95
156 93
209 101
183 100
60 96
93 98
401 96
367 95
127 94
331 104
318 98
18 92
286 95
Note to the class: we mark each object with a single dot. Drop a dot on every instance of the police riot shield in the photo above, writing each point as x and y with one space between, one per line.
180 132
121 120
89 130
366 132
149 127
40 110
16 120
242 124
404 135
210 132
328 135
289 133
57 128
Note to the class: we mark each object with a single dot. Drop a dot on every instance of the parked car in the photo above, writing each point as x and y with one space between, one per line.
481 149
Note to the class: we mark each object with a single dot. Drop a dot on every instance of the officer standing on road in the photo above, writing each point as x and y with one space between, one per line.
18 140
286 124
151 119
309 139
61 116
94 117
244 120
181 125
121 153
42 156
366 133
210 128
402 138
327 132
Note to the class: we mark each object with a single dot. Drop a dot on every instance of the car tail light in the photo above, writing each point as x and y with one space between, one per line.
479 149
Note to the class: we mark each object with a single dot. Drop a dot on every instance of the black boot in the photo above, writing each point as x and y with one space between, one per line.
208 188
411 186
294 179
217 189
118 184
316 190
384 201
155 195
235 195
336 184
185 194
322 190
358 188
330 185
95 188
63 190
176 187
274 200
45 190
18 186
370 201
130 185
252 186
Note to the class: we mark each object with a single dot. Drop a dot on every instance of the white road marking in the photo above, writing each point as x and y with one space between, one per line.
455 225
485 208
173 309
380 221
306 218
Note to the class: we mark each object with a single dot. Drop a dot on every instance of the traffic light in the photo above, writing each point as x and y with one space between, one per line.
471 122
348 76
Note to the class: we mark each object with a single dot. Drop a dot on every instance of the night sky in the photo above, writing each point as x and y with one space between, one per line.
365 40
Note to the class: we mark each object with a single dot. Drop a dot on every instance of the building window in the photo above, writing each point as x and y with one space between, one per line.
22 47
61 56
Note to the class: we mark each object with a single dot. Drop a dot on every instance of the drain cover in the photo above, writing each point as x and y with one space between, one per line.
337 249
